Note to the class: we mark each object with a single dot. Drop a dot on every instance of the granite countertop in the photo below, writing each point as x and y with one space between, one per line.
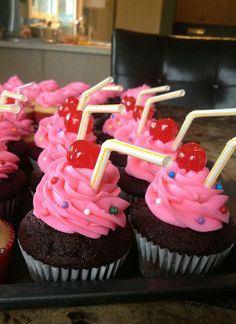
213 133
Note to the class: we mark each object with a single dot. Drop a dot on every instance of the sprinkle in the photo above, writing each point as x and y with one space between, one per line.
113 210
40 138
109 126
113 116
158 201
201 220
130 139
59 130
2 162
171 174
13 129
119 123
65 204
45 212
223 210
54 180
87 211
2 250
219 186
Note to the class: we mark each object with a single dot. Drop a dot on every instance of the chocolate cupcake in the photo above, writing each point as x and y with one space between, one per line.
7 237
74 233
182 227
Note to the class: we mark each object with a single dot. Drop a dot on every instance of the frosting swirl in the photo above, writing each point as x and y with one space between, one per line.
145 170
184 200
65 200
8 162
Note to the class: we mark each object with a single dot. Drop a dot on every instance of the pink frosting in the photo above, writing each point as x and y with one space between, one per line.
12 83
48 85
101 97
55 140
14 126
133 92
184 201
71 206
145 170
8 162
31 92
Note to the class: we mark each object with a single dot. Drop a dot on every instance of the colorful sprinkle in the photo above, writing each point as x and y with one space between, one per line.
59 130
119 123
223 210
113 116
45 212
113 210
54 180
2 250
13 129
219 186
171 174
201 220
2 162
130 139
109 126
158 201
87 211
65 204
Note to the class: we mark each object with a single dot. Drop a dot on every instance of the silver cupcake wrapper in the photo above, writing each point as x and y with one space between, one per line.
34 164
173 263
41 272
9 208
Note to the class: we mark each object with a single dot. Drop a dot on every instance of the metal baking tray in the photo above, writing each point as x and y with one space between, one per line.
129 286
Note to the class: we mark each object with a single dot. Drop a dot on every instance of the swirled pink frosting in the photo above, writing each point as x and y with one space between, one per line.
12 83
184 201
145 170
73 89
14 126
48 85
31 92
8 162
55 142
71 206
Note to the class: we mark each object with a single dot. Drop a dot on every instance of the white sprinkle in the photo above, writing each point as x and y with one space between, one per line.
158 201
87 212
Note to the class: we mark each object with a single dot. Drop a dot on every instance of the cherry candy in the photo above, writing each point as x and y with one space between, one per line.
68 106
191 156
129 102
10 101
83 154
73 119
164 129
137 112
72 102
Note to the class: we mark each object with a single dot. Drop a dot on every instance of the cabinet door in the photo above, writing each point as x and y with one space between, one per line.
189 11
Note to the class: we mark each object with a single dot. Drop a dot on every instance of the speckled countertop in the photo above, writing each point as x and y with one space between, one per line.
213 133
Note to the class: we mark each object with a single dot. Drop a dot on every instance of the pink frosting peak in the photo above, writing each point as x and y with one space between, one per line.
48 85
65 200
12 83
55 139
145 170
8 162
184 201
14 126
133 92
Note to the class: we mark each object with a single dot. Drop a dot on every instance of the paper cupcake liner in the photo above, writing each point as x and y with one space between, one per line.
5 251
163 261
10 208
41 272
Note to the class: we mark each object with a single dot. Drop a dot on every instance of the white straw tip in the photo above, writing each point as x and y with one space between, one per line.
15 108
182 92
167 161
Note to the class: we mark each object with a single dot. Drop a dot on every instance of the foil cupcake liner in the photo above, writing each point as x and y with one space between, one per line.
41 272
10 208
154 260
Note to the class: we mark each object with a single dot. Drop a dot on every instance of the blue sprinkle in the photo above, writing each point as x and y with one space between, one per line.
65 204
113 116
171 174
219 186
60 130
201 220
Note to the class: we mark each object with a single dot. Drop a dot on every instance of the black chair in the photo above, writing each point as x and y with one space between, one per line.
204 67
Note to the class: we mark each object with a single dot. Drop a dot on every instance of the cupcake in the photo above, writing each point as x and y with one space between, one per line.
12 185
7 237
182 227
74 233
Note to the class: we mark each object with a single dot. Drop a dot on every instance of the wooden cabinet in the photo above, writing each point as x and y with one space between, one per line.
212 12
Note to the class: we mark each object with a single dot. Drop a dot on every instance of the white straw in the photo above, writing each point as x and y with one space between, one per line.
198 114
220 163
151 90
23 86
114 87
85 95
10 108
7 94
124 148
96 109
151 100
